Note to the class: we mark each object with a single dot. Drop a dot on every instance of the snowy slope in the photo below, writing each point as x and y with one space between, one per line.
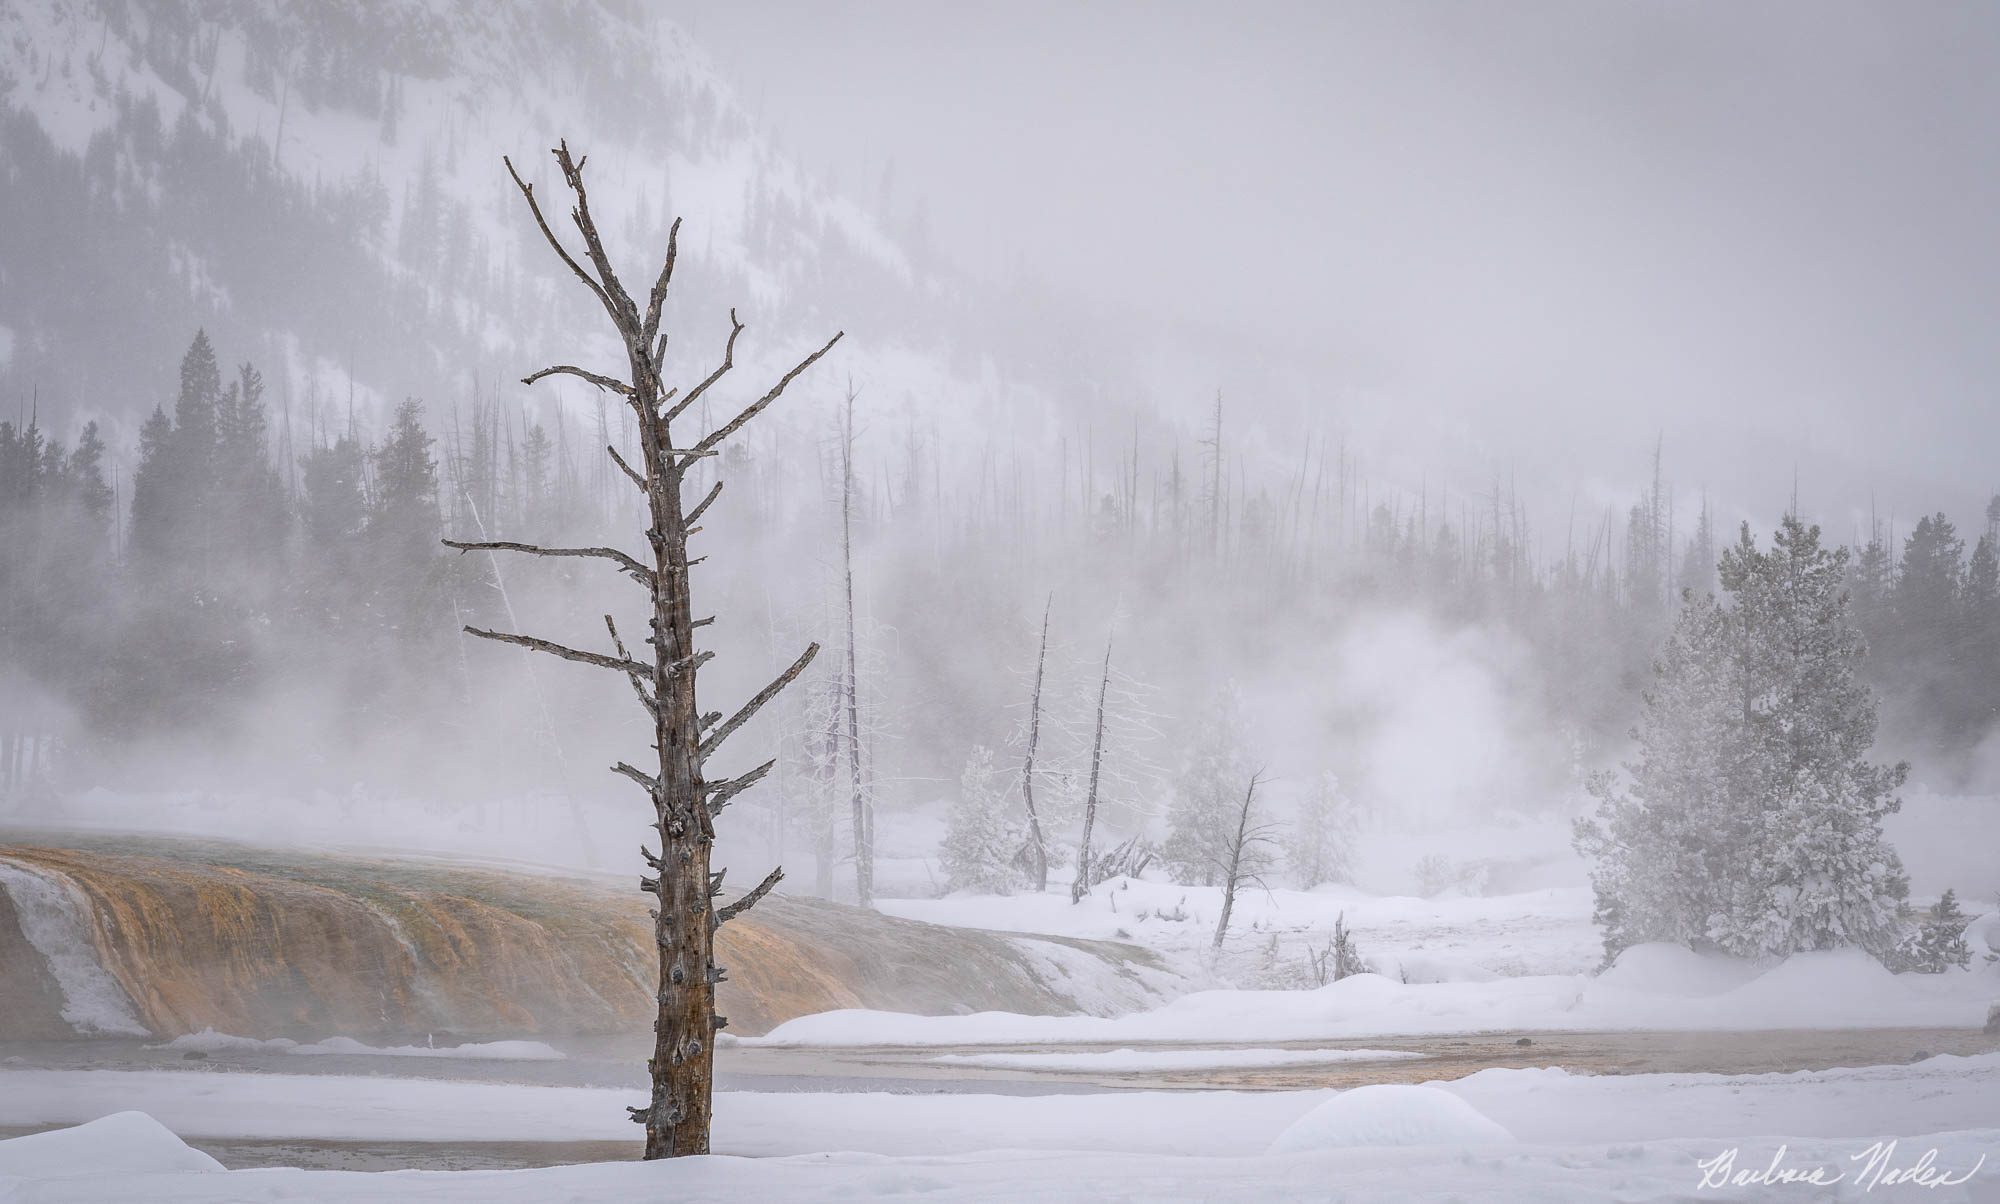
322 186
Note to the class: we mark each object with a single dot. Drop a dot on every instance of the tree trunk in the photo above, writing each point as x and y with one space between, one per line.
1234 877
1082 885
864 843
1038 852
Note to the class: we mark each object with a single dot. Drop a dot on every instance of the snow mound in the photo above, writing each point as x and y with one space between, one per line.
123 1143
1390 1114
1666 969
1825 989
210 1041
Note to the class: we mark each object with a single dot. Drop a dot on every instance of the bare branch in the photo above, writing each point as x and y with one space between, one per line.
757 407
650 783
602 382
697 661
703 504
728 362
725 914
534 206
638 680
659 294
623 312
626 468
624 562
569 654
715 739
719 793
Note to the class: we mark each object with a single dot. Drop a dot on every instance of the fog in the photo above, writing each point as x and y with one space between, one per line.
1502 307
1487 239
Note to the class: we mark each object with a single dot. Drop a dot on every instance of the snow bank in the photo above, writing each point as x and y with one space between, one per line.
1652 989
1390 1114
210 1041
1675 970
123 1143
1119 1060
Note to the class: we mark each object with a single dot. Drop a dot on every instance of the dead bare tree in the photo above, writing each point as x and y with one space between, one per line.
1036 851
1248 854
864 820
685 802
1081 886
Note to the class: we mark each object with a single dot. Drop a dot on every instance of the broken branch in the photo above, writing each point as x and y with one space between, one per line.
757 407
602 661
627 563
756 704
725 914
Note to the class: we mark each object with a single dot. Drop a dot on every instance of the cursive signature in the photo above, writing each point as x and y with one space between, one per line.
1877 1168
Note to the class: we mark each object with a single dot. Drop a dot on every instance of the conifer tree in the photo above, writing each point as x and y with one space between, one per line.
1752 820
1939 944
1318 842
1822 874
1201 819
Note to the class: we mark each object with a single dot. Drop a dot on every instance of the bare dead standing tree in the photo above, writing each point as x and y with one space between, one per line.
864 820
1081 886
1248 855
1036 852
685 803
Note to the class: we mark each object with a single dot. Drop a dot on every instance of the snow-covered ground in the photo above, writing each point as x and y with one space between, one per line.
1652 987
1498 1134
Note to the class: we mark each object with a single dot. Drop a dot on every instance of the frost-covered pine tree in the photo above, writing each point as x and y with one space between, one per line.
1822 875
1320 837
1201 820
1669 844
1939 942
1752 820
985 829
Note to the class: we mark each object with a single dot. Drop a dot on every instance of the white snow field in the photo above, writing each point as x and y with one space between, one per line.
1542 1135
1651 987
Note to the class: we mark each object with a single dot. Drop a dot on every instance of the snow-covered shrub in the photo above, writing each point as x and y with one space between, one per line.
1439 875
984 831
1338 958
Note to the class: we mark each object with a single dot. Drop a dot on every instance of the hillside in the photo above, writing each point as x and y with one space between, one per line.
321 187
